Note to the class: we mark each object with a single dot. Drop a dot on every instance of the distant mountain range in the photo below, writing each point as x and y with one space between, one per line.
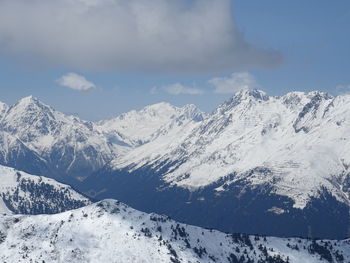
110 231
256 164
36 138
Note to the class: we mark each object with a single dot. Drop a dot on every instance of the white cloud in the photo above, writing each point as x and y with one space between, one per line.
76 82
167 35
177 89
234 83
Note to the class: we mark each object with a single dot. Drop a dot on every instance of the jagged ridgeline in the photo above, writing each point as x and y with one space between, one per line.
110 231
256 164
22 193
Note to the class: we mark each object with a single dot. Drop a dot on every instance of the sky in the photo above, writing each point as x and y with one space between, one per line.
100 58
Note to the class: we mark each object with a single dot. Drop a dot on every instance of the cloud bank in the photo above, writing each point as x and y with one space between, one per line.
75 82
158 35
233 83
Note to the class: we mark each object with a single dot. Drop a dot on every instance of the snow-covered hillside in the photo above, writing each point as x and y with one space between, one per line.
297 143
29 194
110 231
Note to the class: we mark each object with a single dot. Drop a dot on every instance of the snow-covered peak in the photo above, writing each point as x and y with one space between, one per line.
161 112
38 125
29 100
29 114
139 127
243 99
248 95
30 106
161 108
74 143
245 94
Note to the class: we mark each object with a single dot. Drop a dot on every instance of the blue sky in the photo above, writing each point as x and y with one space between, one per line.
277 46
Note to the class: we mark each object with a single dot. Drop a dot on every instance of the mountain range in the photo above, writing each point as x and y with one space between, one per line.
274 165
38 139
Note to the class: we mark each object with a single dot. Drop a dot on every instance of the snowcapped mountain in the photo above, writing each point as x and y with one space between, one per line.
265 156
29 194
257 164
110 231
260 139
36 138
63 144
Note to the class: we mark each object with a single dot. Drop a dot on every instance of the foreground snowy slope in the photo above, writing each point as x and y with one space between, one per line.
110 231
29 194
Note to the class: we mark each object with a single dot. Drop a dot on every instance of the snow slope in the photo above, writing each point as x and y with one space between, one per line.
297 143
110 231
29 194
